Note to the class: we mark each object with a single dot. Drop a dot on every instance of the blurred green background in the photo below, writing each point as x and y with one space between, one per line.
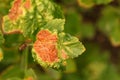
96 23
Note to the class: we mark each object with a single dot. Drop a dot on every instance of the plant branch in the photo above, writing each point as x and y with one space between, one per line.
24 61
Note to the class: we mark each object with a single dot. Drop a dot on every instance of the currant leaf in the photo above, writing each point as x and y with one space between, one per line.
109 24
91 3
29 16
4 7
52 49
71 45
55 24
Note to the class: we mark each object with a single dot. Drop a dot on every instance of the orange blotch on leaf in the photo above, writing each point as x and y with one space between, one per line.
45 35
64 55
45 46
16 10
27 4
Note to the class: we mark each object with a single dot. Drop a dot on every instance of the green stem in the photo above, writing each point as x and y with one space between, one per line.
24 62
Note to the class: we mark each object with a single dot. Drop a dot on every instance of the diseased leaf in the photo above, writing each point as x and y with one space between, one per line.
109 24
9 26
55 24
71 45
29 20
12 21
51 47
45 50
52 50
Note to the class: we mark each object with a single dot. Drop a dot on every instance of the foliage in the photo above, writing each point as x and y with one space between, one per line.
39 25
4 6
111 24
91 3
37 42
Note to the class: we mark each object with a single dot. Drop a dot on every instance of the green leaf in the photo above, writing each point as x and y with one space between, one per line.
71 66
14 78
87 30
68 2
45 77
71 45
111 73
66 47
56 75
109 24
9 26
72 76
73 22
39 14
91 65
86 3
30 74
4 6
91 3
75 26
12 73
98 2
10 55
55 24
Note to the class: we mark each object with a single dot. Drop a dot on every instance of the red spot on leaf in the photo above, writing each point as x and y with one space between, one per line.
45 46
45 35
27 4
16 10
